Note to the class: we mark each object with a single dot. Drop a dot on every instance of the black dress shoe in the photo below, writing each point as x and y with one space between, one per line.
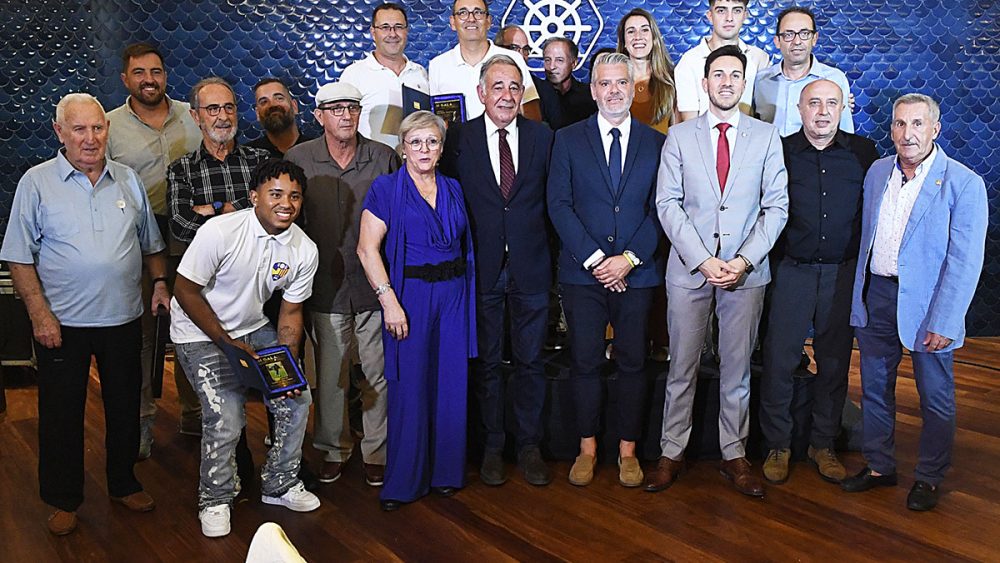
492 471
865 481
923 496
389 505
444 491
533 466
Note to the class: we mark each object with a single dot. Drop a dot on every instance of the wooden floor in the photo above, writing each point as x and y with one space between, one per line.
699 518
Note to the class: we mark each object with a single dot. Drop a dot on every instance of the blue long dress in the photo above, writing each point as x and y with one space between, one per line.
427 373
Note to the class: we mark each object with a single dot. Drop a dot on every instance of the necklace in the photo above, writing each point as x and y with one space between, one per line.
640 88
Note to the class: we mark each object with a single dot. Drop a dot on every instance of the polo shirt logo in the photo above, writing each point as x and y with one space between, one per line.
278 271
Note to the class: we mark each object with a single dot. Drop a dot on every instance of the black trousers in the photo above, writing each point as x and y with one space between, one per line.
62 397
804 295
589 309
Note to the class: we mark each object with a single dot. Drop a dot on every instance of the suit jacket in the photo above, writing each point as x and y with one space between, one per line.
940 256
701 220
589 214
518 224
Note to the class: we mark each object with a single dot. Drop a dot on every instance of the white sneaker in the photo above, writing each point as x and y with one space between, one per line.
297 498
215 521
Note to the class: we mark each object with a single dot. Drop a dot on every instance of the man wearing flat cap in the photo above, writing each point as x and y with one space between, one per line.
346 317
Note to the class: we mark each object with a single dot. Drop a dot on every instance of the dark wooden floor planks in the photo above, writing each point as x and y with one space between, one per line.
699 519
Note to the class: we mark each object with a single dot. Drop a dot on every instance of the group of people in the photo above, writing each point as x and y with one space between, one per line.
409 262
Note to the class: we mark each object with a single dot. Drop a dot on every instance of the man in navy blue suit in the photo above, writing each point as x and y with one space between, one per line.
500 159
601 190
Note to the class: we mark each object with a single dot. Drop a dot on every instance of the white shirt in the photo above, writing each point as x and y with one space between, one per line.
493 144
240 265
713 121
894 214
382 95
690 71
450 74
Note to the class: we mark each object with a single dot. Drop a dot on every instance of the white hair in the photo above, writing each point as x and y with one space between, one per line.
76 98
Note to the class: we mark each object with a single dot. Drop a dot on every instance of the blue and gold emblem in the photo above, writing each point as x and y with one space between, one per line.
278 271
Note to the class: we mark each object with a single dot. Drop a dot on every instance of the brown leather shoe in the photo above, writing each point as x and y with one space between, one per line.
330 471
738 471
664 474
137 502
374 474
582 472
61 522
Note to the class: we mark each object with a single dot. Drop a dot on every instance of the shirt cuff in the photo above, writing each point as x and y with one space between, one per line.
594 259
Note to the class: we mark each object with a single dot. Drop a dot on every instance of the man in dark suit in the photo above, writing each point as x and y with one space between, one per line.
601 188
500 159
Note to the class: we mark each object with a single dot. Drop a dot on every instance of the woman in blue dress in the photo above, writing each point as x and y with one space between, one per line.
428 313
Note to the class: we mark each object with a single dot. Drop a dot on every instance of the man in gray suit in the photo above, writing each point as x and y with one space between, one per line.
722 199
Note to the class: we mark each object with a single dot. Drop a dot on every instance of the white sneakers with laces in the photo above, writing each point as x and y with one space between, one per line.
297 498
215 521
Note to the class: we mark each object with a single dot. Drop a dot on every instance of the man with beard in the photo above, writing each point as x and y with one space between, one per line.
722 200
215 178
276 112
147 133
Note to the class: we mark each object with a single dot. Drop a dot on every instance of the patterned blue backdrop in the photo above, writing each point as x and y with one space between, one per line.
948 49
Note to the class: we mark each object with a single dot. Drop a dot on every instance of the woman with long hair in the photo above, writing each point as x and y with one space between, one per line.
640 39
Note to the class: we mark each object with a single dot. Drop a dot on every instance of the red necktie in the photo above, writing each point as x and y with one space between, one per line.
722 156
506 166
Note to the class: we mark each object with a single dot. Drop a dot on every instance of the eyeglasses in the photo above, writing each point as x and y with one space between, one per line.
431 143
386 28
523 49
214 109
804 34
477 13
354 109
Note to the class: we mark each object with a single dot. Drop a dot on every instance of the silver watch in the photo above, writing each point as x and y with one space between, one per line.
382 289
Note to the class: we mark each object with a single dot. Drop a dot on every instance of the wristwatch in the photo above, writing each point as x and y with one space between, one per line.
632 258
382 289
749 264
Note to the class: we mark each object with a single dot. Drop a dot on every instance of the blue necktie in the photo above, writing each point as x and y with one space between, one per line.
615 159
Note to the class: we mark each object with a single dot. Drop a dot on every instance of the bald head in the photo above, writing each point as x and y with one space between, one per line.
820 105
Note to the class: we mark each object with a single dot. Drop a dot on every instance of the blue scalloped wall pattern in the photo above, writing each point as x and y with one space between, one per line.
948 49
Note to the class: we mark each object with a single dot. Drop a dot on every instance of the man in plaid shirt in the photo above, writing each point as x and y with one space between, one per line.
216 178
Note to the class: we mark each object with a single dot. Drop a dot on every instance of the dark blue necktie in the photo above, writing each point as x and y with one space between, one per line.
615 159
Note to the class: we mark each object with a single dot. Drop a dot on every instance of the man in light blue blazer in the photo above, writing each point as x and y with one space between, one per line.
923 237
722 198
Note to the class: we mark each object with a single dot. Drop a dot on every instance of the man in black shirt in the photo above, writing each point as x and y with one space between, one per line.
567 100
812 284
277 113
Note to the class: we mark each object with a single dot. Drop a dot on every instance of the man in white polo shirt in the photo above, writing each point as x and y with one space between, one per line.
381 75
456 71
234 264
726 17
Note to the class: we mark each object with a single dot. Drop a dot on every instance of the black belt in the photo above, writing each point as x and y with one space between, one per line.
814 261
893 279
436 272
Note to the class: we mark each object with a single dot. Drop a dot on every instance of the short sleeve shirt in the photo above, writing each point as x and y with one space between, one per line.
240 266
776 98
450 74
382 95
85 240
691 69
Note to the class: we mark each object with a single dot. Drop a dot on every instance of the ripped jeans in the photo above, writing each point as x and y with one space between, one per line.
222 397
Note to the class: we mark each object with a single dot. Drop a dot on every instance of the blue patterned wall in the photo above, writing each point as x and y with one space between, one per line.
948 49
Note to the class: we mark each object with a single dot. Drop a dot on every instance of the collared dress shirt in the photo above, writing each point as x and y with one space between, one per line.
894 214
691 69
776 98
493 144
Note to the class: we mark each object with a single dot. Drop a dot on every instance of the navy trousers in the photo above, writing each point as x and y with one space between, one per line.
805 295
528 321
881 353
589 309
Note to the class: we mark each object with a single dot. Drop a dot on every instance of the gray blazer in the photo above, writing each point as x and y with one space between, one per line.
701 220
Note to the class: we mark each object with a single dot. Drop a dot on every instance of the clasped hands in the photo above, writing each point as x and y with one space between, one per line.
722 274
611 273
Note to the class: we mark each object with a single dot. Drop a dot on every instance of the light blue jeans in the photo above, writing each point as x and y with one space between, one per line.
222 397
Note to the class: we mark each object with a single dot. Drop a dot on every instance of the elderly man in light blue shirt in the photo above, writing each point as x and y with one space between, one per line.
776 93
80 229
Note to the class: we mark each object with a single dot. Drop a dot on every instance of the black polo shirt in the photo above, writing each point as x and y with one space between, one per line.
825 190
263 142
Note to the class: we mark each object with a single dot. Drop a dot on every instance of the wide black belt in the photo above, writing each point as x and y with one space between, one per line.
443 271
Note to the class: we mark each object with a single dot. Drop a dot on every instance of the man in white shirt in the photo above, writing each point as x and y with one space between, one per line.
456 71
726 17
234 264
381 75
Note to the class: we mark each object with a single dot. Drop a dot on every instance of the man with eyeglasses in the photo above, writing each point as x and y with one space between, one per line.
779 86
727 18
457 70
346 316
381 75
215 179
501 161
276 112
146 133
